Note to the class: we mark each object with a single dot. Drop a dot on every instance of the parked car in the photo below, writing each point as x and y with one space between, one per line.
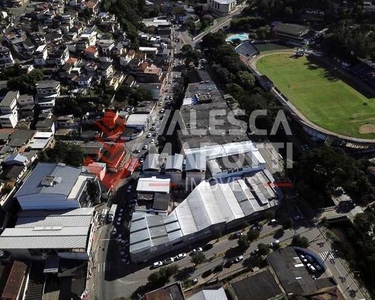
180 256
309 258
168 261
199 249
273 222
152 128
194 281
217 269
206 273
148 135
254 252
114 231
237 235
156 264
274 243
118 221
238 259
311 267
137 151
145 147
162 111
297 218
152 141
303 258
228 264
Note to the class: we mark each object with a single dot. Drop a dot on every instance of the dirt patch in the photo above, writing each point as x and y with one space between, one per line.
367 128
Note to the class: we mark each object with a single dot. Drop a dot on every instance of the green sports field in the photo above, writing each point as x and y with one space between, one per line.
321 97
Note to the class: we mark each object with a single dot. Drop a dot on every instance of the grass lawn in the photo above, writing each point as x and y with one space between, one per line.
320 96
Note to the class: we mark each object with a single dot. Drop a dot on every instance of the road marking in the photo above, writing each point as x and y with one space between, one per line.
327 255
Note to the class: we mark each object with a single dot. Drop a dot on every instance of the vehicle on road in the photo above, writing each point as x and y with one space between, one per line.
180 256
129 188
237 235
254 252
161 117
168 261
194 281
114 231
152 141
297 218
273 222
162 111
145 147
217 269
110 218
206 273
148 135
274 243
156 264
141 160
238 259
118 221
154 134
196 250
228 264
309 258
152 128
137 151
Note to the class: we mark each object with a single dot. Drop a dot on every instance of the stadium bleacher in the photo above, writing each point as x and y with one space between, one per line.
364 72
246 48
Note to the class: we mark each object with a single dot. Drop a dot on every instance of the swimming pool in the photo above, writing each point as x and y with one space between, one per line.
239 36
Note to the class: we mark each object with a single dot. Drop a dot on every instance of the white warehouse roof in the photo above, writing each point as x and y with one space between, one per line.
154 184
49 230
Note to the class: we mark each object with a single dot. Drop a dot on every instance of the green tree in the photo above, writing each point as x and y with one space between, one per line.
300 241
154 278
245 79
68 153
263 249
236 91
198 258
186 48
243 242
213 40
288 223
253 234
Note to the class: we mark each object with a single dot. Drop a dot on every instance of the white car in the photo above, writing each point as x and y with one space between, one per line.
145 147
311 267
274 243
162 111
157 264
152 141
180 256
168 261
148 135
199 249
238 259
141 160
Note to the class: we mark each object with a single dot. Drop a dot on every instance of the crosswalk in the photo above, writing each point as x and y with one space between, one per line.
109 266
326 255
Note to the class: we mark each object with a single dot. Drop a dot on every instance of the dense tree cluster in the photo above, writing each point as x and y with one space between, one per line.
322 170
240 83
360 252
163 275
349 43
25 83
133 95
68 153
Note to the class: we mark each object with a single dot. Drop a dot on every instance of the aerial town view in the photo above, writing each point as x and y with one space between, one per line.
187 150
